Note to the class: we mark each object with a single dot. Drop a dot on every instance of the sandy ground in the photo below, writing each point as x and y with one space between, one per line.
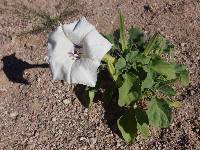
39 113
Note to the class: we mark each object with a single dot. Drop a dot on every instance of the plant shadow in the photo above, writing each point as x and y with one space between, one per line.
14 68
110 105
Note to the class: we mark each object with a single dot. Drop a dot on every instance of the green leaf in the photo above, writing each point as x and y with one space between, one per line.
184 78
159 113
142 122
148 81
143 130
122 32
131 56
167 90
120 64
127 126
164 68
136 39
129 91
141 58
141 116
183 74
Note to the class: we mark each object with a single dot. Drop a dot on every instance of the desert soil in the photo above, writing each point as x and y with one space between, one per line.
39 113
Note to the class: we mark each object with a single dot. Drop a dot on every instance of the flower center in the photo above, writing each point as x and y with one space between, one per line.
76 54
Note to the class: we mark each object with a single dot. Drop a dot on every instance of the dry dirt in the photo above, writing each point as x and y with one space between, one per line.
39 113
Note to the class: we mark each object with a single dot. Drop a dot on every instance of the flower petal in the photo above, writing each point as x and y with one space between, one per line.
84 71
95 45
59 48
68 28
80 30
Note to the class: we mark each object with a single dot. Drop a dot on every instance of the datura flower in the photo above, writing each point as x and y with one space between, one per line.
75 52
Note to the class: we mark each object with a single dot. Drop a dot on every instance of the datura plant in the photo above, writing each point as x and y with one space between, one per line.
140 72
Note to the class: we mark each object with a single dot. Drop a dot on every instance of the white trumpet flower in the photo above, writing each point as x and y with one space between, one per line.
75 52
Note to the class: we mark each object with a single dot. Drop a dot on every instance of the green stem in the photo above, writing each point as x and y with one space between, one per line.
122 32
110 61
108 58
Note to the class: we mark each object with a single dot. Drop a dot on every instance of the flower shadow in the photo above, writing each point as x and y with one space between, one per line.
14 68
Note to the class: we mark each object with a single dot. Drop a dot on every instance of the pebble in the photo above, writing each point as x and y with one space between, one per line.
82 138
60 131
192 92
46 59
13 115
118 145
93 141
54 119
66 101
86 111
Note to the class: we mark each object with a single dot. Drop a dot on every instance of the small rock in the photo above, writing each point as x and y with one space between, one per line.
93 141
54 119
46 59
82 138
13 115
66 101
183 44
60 131
118 145
86 111
192 92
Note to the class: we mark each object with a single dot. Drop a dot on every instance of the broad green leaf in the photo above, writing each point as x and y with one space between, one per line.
167 90
131 56
129 91
122 32
159 113
136 39
141 116
183 74
148 81
141 58
128 126
120 64
164 68
143 130
142 122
